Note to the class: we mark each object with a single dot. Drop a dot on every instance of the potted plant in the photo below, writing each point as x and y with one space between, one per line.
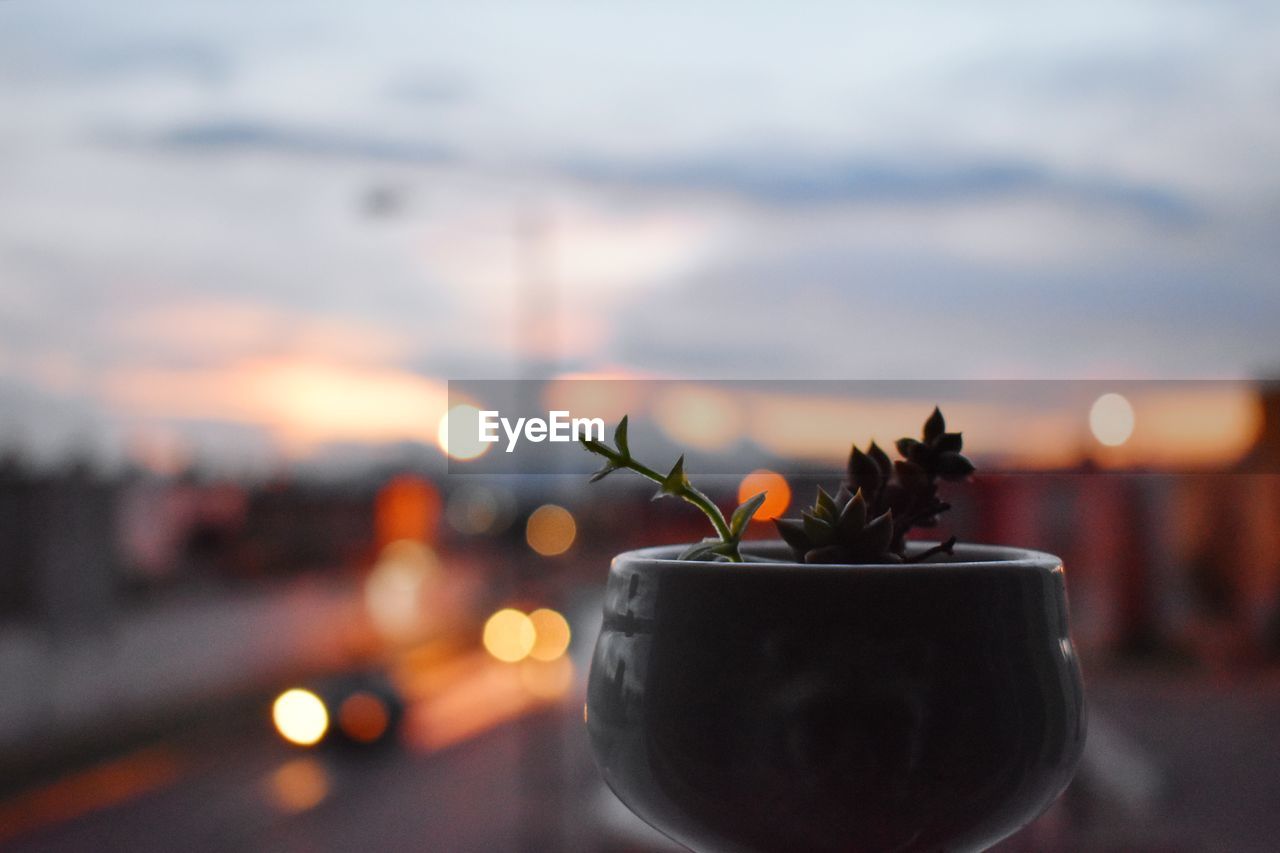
842 688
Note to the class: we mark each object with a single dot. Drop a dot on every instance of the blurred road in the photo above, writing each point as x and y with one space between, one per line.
1175 767
233 785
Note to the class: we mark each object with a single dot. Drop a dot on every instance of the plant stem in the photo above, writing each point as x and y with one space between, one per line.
901 527
945 547
686 493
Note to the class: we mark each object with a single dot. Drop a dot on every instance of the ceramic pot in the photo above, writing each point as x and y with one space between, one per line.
777 706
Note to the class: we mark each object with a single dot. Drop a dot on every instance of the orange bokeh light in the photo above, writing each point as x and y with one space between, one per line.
363 717
408 507
551 634
550 530
298 785
509 635
779 493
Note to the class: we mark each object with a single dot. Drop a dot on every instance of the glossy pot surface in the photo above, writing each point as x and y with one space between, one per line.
787 707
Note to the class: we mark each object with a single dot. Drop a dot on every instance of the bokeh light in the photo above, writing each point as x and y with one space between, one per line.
550 530
298 785
552 634
363 717
1111 419
407 507
395 590
459 433
473 510
701 418
509 635
300 716
778 496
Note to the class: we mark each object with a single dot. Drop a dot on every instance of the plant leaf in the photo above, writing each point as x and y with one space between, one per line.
725 547
881 459
877 535
699 550
675 482
954 466
935 426
905 445
594 446
603 472
818 531
864 473
921 455
708 550
744 513
620 437
792 532
912 477
950 442
854 515
824 507
826 554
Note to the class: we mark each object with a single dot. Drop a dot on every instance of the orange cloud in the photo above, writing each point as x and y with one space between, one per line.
302 402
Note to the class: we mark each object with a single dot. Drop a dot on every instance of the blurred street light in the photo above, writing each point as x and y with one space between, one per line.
550 530
509 635
363 717
395 591
459 433
1111 419
552 635
300 717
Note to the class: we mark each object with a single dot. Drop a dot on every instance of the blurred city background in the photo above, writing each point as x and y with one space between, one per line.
248 601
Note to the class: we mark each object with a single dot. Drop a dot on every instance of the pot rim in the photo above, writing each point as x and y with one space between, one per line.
966 556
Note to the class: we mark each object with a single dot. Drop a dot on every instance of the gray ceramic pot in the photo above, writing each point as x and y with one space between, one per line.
776 706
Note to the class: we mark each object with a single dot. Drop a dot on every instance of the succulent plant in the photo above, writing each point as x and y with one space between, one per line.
867 521
881 501
838 530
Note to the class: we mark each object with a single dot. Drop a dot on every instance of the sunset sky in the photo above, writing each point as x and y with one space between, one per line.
261 227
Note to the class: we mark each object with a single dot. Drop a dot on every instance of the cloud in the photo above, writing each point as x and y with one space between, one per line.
422 88
1146 74
303 403
300 140
845 312
192 59
793 180
776 178
197 329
